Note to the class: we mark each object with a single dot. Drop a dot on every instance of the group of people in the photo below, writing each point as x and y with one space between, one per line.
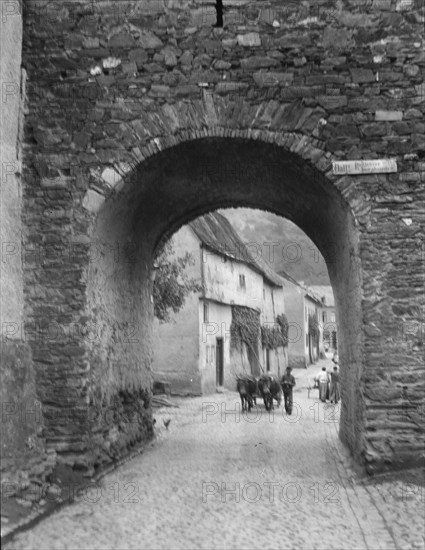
329 384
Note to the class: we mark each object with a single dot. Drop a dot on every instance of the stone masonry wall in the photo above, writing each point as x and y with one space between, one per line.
111 85
24 460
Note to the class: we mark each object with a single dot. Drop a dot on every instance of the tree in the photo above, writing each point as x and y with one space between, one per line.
172 285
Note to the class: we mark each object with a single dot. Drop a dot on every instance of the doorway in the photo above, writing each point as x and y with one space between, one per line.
219 362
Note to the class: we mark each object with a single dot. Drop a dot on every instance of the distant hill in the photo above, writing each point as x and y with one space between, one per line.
282 244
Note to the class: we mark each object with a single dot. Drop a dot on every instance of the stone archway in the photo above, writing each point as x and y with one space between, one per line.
128 207
114 87
175 186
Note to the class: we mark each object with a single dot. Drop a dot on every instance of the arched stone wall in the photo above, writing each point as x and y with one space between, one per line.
200 175
117 93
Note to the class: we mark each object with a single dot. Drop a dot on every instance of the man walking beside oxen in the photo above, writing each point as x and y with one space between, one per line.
288 382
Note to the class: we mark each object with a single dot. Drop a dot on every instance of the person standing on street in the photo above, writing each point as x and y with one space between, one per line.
334 390
329 370
288 382
323 379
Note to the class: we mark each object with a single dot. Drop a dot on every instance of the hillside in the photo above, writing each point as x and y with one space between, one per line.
282 244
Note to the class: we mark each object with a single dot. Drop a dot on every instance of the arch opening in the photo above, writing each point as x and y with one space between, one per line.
243 268
176 186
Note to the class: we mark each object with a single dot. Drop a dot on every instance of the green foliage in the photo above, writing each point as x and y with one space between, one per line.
313 326
245 327
276 336
172 285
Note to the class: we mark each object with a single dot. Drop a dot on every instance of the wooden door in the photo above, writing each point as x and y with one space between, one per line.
219 362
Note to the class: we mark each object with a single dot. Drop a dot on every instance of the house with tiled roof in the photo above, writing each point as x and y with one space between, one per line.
233 326
328 317
304 308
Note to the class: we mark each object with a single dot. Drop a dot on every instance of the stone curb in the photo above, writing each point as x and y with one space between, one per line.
367 515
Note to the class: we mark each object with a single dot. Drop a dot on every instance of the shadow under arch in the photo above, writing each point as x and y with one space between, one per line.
200 175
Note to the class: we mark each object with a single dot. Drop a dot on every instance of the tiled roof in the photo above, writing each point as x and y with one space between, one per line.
324 291
310 291
217 234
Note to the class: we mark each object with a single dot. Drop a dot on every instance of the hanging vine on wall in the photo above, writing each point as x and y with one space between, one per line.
276 336
282 321
245 327
313 326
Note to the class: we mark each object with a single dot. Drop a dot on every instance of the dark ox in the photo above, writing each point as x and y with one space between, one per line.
247 388
269 389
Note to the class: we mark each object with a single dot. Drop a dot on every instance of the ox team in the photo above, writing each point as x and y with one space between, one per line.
268 388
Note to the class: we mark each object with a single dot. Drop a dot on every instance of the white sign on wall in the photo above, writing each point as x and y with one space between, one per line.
374 166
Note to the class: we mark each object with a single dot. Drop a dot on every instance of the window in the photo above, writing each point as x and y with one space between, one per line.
242 282
332 317
210 355
206 313
324 316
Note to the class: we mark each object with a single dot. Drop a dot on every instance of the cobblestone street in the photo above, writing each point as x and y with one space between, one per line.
216 479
